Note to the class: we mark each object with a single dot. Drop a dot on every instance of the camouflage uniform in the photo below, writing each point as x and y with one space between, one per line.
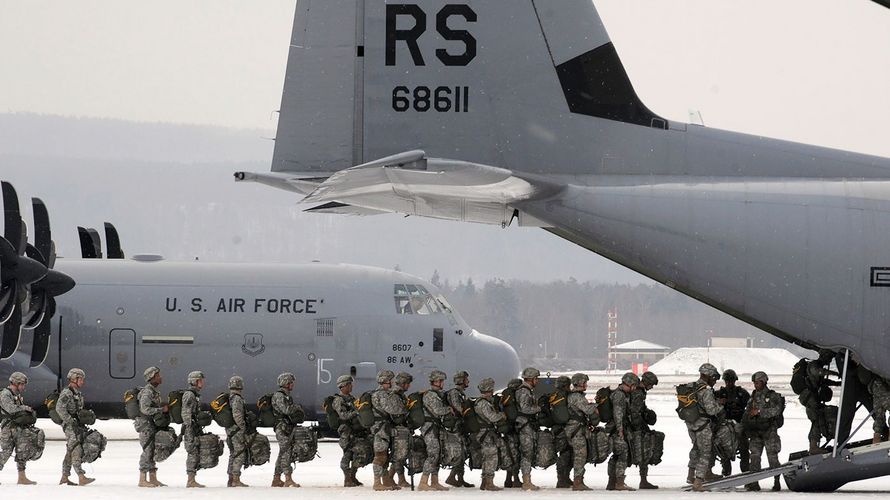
191 405
880 391
701 432
488 437
389 408
582 415
400 430
527 426
736 400
69 403
285 411
434 410
769 402
149 406
456 398
561 440
810 398
619 433
344 405
237 434
511 445
10 435
637 427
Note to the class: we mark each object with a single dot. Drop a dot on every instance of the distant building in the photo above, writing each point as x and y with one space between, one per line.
739 342
631 355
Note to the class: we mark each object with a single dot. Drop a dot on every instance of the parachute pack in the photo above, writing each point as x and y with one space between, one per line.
266 415
221 411
415 410
50 402
331 415
131 403
508 404
799 376
472 425
365 409
688 407
174 399
603 400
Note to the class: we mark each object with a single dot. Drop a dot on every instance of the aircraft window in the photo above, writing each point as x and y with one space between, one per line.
438 339
400 290
444 303
403 305
415 299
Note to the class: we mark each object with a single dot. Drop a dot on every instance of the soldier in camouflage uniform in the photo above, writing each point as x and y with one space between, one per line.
237 438
400 445
814 396
701 431
191 405
618 432
582 417
287 413
638 427
456 397
388 409
12 402
734 399
149 406
487 437
511 442
762 426
70 402
344 405
434 410
527 425
879 388
564 461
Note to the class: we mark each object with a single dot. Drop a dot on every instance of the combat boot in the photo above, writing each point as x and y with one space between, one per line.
777 486
726 468
698 484
153 478
508 482
355 479
578 484
690 476
277 482
434 483
65 481
610 486
143 482
710 476
527 484
452 479
645 484
562 480
517 483
424 483
877 438
289 481
379 486
192 482
347 479
236 481
488 485
752 486
23 479
815 449
464 484
620 486
389 479
83 480
402 483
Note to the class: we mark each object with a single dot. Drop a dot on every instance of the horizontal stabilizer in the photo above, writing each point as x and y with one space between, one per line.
412 184
286 181
334 207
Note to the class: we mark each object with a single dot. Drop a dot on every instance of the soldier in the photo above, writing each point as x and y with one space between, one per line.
456 397
527 425
638 426
344 405
814 395
236 434
761 423
287 413
434 410
149 406
618 432
564 462
70 402
487 437
191 405
879 388
734 399
388 409
511 442
582 416
400 443
11 402
701 431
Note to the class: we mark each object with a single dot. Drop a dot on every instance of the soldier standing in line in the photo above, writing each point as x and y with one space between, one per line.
527 425
511 442
11 402
70 402
582 416
191 405
619 432
434 410
761 422
638 426
814 396
487 437
388 408
287 413
734 399
237 433
564 461
701 430
401 434
344 405
879 388
149 406
456 397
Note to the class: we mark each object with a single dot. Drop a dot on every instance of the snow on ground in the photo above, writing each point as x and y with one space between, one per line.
116 470
743 360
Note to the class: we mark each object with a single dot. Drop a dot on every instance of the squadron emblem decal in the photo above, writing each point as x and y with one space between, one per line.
253 344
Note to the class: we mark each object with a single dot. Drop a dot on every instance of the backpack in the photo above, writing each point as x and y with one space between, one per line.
93 445
174 399
603 400
688 408
221 411
472 425
259 451
415 410
331 415
166 442
210 448
131 403
545 449
558 402
799 376
545 419
36 442
304 442
50 402
508 404
365 409
266 417
599 446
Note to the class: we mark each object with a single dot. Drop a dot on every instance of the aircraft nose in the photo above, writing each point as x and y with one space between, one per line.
491 357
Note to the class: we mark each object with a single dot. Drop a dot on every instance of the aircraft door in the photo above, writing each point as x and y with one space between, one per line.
364 377
122 353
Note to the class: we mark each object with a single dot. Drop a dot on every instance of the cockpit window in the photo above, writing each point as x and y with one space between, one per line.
415 299
445 305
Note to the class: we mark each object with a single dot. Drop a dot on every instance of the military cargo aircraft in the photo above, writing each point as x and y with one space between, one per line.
319 321
465 110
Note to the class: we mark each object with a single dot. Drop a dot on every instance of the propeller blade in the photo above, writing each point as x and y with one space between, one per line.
42 235
112 242
87 250
97 241
12 218
42 334
7 300
11 332
36 310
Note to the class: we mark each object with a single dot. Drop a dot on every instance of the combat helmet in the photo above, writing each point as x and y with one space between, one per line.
461 377
236 383
195 376
18 378
404 378
579 378
286 378
649 378
730 374
630 379
437 375
486 385
385 376
531 372
708 370
761 376
74 373
563 382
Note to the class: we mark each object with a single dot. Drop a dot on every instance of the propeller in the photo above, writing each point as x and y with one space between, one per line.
112 242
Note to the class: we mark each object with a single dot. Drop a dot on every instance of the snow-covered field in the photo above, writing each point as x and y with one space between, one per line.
116 470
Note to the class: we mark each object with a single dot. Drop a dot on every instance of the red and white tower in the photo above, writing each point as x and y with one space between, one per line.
613 340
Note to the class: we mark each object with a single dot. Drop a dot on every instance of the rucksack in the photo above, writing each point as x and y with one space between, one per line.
131 403
221 411
210 448
36 442
508 404
331 415
93 445
304 442
603 400
174 399
50 402
799 376
365 409
166 442
266 417
259 451
688 408
415 410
